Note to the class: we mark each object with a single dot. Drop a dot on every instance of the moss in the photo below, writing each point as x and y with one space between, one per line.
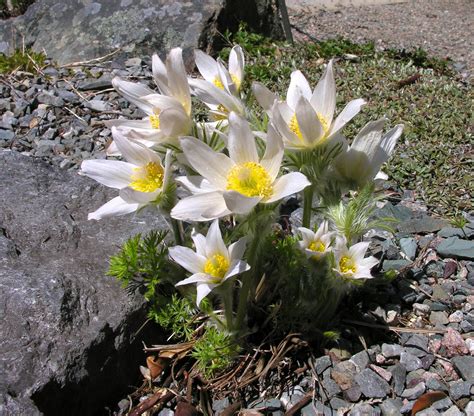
24 60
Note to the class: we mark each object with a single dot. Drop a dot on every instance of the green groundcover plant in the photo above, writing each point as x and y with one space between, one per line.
230 264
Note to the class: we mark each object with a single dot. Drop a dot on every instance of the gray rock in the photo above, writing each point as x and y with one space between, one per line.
460 388
98 105
408 245
435 384
469 409
418 341
414 392
337 403
410 361
6 135
464 366
371 384
422 225
67 331
353 394
457 248
322 363
395 264
453 411
398 212
428 412
218 406
439 318
435 269
364 409
49 99
407 407
392 350
442 404
317 409
391 407
73 30
361 360
95 84
464 232
399 374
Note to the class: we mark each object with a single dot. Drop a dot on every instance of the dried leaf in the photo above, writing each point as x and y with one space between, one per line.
426 400
156 366
145 373
148 403
33 122
250 412
174 351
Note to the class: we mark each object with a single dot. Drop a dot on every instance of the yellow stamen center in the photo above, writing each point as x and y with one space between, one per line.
295 127
250 179
317 246
147 178
155 121
216 266
346 265
218 83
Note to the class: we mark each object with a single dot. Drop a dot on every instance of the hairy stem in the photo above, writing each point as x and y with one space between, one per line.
307 206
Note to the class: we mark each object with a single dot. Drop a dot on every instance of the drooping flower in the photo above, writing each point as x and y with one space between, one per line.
360 162
305 119
141 180
316 244
234 183
168 115
350 262
212 263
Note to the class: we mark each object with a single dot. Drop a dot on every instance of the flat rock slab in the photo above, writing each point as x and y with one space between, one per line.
77 30
66 331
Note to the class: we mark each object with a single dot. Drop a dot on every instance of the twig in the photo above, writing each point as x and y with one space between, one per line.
298 406
90 61
84 121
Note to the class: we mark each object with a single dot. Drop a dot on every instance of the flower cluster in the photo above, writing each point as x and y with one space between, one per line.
229 168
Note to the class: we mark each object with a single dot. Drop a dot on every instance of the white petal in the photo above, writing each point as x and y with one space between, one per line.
273 156
174 122
195 278
133 152
203 289
357 251
308 122
111 173
187 258
347 114
240 204
368 139
208 163
126 124
201 207
381 176
264 96
298 87
199 242
282 126
160 75
114 208
241 142
307 235
324 95
369 262
161 102
236 267
134 92
214 242
237 249
236 64
288 185
210 94
196 184
177 78
133 197
206 65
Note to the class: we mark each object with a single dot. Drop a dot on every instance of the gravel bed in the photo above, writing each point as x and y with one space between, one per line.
442 27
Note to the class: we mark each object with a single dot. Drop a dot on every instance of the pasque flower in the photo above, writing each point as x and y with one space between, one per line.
316 244
305 119
350 262
212 263
168 115
360 162
141 179
234 183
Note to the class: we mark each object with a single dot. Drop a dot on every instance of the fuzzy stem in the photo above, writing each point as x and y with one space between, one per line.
177 231
307 206
226 294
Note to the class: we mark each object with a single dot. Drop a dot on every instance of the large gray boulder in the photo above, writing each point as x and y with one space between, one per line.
76 30
67 332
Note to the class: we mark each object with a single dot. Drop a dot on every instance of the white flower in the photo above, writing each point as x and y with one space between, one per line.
305 119
212 263
316 244
215 72
141 180
168 114
220 88
234 183
361 162
350 262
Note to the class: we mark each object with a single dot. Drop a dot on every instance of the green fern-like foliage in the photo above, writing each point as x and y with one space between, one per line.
214 352
143 263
